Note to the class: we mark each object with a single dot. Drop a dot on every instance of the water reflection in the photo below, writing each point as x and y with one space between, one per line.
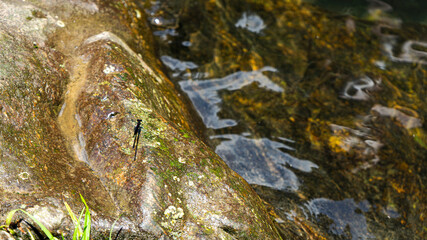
394 46
358 90
341 87
407 121
360 143
375 5
411 11
251 22
177 65
411 51
347 216
205 93
163 34
259 161
262 161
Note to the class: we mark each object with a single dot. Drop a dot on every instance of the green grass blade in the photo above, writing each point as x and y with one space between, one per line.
112 227
84 202
87 223
86 232
42 227
31 235
76 222
10 216
78 230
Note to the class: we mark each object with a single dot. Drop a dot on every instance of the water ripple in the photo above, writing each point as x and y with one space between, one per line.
204 94
344 214
251 22
262 161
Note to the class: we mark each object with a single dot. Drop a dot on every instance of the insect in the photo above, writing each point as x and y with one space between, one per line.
136 133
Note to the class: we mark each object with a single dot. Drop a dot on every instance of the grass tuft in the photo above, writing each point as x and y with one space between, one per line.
79 232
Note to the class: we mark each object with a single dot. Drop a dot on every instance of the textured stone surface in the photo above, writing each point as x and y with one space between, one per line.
74 77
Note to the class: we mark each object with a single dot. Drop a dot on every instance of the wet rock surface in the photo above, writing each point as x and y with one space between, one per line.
74 78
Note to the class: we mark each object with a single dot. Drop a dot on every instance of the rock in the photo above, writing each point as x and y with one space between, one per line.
5 235
75 76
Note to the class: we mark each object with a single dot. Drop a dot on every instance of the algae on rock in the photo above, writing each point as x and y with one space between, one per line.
74 78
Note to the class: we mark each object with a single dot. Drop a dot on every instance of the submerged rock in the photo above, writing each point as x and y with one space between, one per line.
75 76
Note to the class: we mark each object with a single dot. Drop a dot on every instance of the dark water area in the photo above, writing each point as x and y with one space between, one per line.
407 11
319 105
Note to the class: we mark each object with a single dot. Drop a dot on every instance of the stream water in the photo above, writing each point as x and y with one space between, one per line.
319 105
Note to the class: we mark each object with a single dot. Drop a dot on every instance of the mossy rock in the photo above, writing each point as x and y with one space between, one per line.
74 78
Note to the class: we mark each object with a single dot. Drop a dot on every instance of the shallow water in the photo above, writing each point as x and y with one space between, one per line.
408 11
322 112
